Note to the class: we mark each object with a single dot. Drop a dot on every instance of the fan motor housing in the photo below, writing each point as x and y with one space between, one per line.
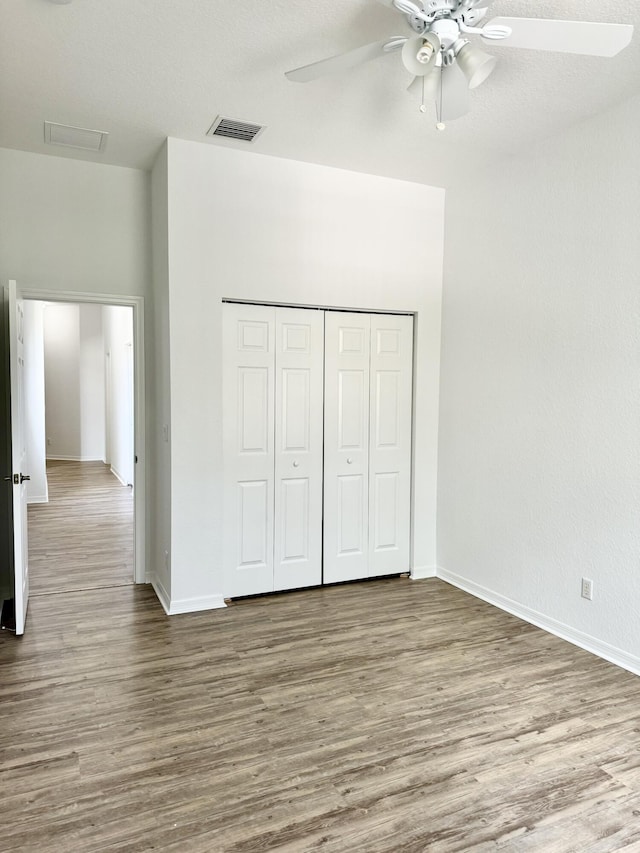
445 10
447 31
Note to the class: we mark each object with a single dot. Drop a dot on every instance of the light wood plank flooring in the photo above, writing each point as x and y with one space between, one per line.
82 538
386 717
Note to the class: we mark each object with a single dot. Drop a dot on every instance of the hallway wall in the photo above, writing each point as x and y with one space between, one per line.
117 325
74 382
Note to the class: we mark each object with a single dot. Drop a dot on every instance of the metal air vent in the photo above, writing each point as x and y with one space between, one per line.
231 128
74 137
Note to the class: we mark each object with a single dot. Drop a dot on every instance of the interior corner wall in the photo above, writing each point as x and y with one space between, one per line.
539 460
248 226
159 391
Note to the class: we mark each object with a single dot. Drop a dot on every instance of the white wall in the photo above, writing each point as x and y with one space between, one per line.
74 382
540 408
247 226
117 323
77 227
37 487
62 381
92 382
70 225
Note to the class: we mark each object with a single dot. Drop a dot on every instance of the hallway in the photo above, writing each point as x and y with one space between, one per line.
83 538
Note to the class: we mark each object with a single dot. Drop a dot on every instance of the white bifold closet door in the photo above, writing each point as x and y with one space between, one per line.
272 428
346 452
367 463
390 414
298 448
248 437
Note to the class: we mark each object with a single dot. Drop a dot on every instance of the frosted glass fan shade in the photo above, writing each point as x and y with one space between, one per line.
410 54
448 88
433 85
476 64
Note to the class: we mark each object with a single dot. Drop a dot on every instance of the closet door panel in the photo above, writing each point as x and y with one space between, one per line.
248 439
298 443
346 461
390 444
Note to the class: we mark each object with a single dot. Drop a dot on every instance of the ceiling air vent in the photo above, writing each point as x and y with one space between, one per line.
231 128
74 137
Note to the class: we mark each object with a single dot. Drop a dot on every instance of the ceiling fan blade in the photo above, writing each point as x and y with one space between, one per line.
345 60
583 37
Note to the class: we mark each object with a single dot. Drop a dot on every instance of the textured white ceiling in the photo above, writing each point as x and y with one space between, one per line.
147 69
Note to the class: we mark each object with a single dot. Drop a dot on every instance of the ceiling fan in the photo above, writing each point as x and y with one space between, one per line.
446 64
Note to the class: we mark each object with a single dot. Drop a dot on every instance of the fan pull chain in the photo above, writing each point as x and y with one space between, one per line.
440 125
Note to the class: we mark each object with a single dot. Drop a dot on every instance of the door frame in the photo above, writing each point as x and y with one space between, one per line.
139 414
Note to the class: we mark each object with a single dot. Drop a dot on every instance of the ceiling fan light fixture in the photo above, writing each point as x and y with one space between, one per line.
475 64
419 54
432 88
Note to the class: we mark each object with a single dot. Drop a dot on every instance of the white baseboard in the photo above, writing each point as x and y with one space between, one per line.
58 457
118 476
185 605
193 605
160 591
559 629
420 572
40 499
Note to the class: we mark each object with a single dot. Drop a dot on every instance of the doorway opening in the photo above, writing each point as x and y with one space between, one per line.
84 396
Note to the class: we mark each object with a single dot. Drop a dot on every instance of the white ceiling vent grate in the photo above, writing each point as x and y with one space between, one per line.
231 128
74 137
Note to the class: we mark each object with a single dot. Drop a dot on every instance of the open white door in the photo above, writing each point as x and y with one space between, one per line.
18 455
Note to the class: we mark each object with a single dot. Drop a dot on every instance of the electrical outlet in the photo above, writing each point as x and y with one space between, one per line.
587 588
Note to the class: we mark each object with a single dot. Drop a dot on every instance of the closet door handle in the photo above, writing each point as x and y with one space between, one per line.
295 463
349 460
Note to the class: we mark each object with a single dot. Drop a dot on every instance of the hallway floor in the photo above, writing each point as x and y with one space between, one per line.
82 538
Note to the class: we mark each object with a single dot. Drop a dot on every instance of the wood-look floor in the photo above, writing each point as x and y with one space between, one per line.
82 538
386 717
